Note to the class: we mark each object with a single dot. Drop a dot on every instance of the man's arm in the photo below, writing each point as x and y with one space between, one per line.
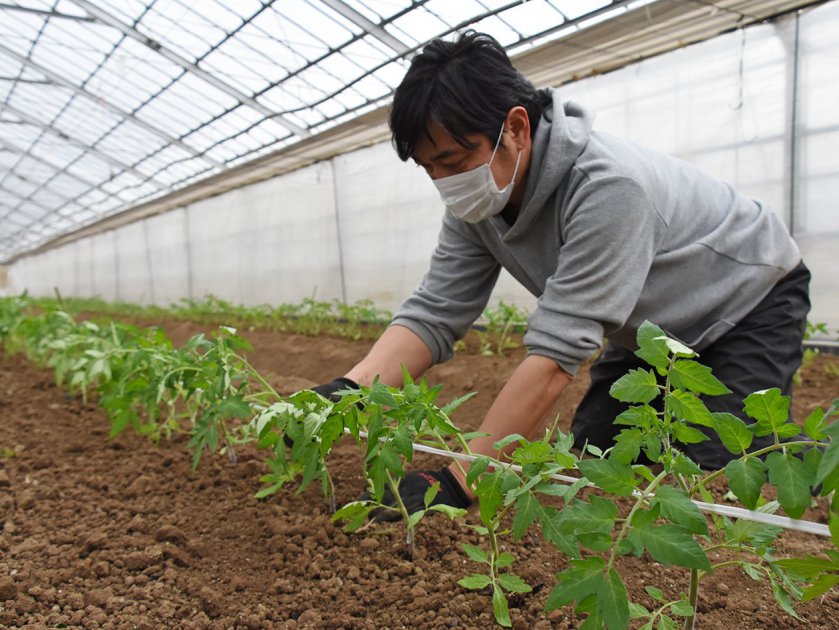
396 347
521 407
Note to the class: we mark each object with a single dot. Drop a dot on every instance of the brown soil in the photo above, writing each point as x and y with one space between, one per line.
122 534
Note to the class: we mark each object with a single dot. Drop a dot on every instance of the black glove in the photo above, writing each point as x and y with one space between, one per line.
412 489
328 391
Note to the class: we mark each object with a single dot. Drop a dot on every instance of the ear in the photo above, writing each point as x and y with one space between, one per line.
518 124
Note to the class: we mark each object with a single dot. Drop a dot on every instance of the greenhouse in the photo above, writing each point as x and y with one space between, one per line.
419 314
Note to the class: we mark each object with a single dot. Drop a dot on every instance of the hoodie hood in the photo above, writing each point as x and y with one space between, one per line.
561 135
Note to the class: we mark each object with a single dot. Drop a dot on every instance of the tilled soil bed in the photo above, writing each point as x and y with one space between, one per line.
121 533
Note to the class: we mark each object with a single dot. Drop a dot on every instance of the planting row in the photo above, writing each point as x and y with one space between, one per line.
496 333
208 389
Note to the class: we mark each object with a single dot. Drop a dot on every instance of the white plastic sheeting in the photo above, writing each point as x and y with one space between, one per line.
363 225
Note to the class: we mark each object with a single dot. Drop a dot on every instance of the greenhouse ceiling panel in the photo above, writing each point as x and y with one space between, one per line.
107 104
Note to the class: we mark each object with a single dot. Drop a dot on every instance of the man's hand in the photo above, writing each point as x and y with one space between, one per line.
412 491
329 390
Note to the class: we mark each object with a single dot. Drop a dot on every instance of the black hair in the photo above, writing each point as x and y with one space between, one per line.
467 86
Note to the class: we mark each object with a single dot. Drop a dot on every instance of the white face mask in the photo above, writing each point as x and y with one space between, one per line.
473 196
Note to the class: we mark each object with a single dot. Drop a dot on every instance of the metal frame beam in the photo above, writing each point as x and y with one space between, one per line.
45 13
84 147
129 31
57 79
369 27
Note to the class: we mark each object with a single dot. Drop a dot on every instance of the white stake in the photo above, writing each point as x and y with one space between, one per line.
808 527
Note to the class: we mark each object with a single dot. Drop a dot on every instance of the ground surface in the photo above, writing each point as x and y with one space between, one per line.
121 534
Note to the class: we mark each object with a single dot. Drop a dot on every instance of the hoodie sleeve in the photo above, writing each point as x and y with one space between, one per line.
609 234
454 291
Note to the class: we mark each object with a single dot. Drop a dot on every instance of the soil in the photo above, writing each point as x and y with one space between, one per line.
121 533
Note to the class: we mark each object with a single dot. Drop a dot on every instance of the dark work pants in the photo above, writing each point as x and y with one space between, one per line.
762 351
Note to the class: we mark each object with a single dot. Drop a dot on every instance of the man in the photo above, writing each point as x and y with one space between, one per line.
606 233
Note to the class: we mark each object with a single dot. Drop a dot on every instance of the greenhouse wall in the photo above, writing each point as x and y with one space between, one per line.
755 108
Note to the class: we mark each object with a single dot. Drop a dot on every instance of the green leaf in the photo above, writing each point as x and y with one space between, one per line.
671 544
598 515
682 608
574 584
532 453
414 518
808 566
688 407
696 378
354 514
645 518
652 347
234 407
788 430
476 467
684 465
596 541
449 510
678 348
732 431
637 611
746 478
431 494
500 608
652 447
380 394
475 581
833 525
678 508
527 508
666 623
513 583
641 416
792 479
403 441
686 434
491 491
476 553
608 475
655 593
821 586
814 424
507 440
505 559
627 446
758 535
829 461
636 386
783 599
612 601
769 408
551 522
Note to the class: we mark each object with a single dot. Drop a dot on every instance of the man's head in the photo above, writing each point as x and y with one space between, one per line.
467 87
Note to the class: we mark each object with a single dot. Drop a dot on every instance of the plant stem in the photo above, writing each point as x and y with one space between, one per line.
394 488
693 595
625 527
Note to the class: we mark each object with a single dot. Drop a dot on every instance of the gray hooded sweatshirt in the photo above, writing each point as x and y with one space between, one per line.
609 234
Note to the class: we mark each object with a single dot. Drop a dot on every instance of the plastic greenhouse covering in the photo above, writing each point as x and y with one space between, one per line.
107 105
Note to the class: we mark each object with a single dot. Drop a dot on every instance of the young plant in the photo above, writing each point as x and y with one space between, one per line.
810 354
502 323
300 431
513 488
663 521
394 419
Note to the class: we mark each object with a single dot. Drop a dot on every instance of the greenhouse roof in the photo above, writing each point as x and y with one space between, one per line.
115 105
